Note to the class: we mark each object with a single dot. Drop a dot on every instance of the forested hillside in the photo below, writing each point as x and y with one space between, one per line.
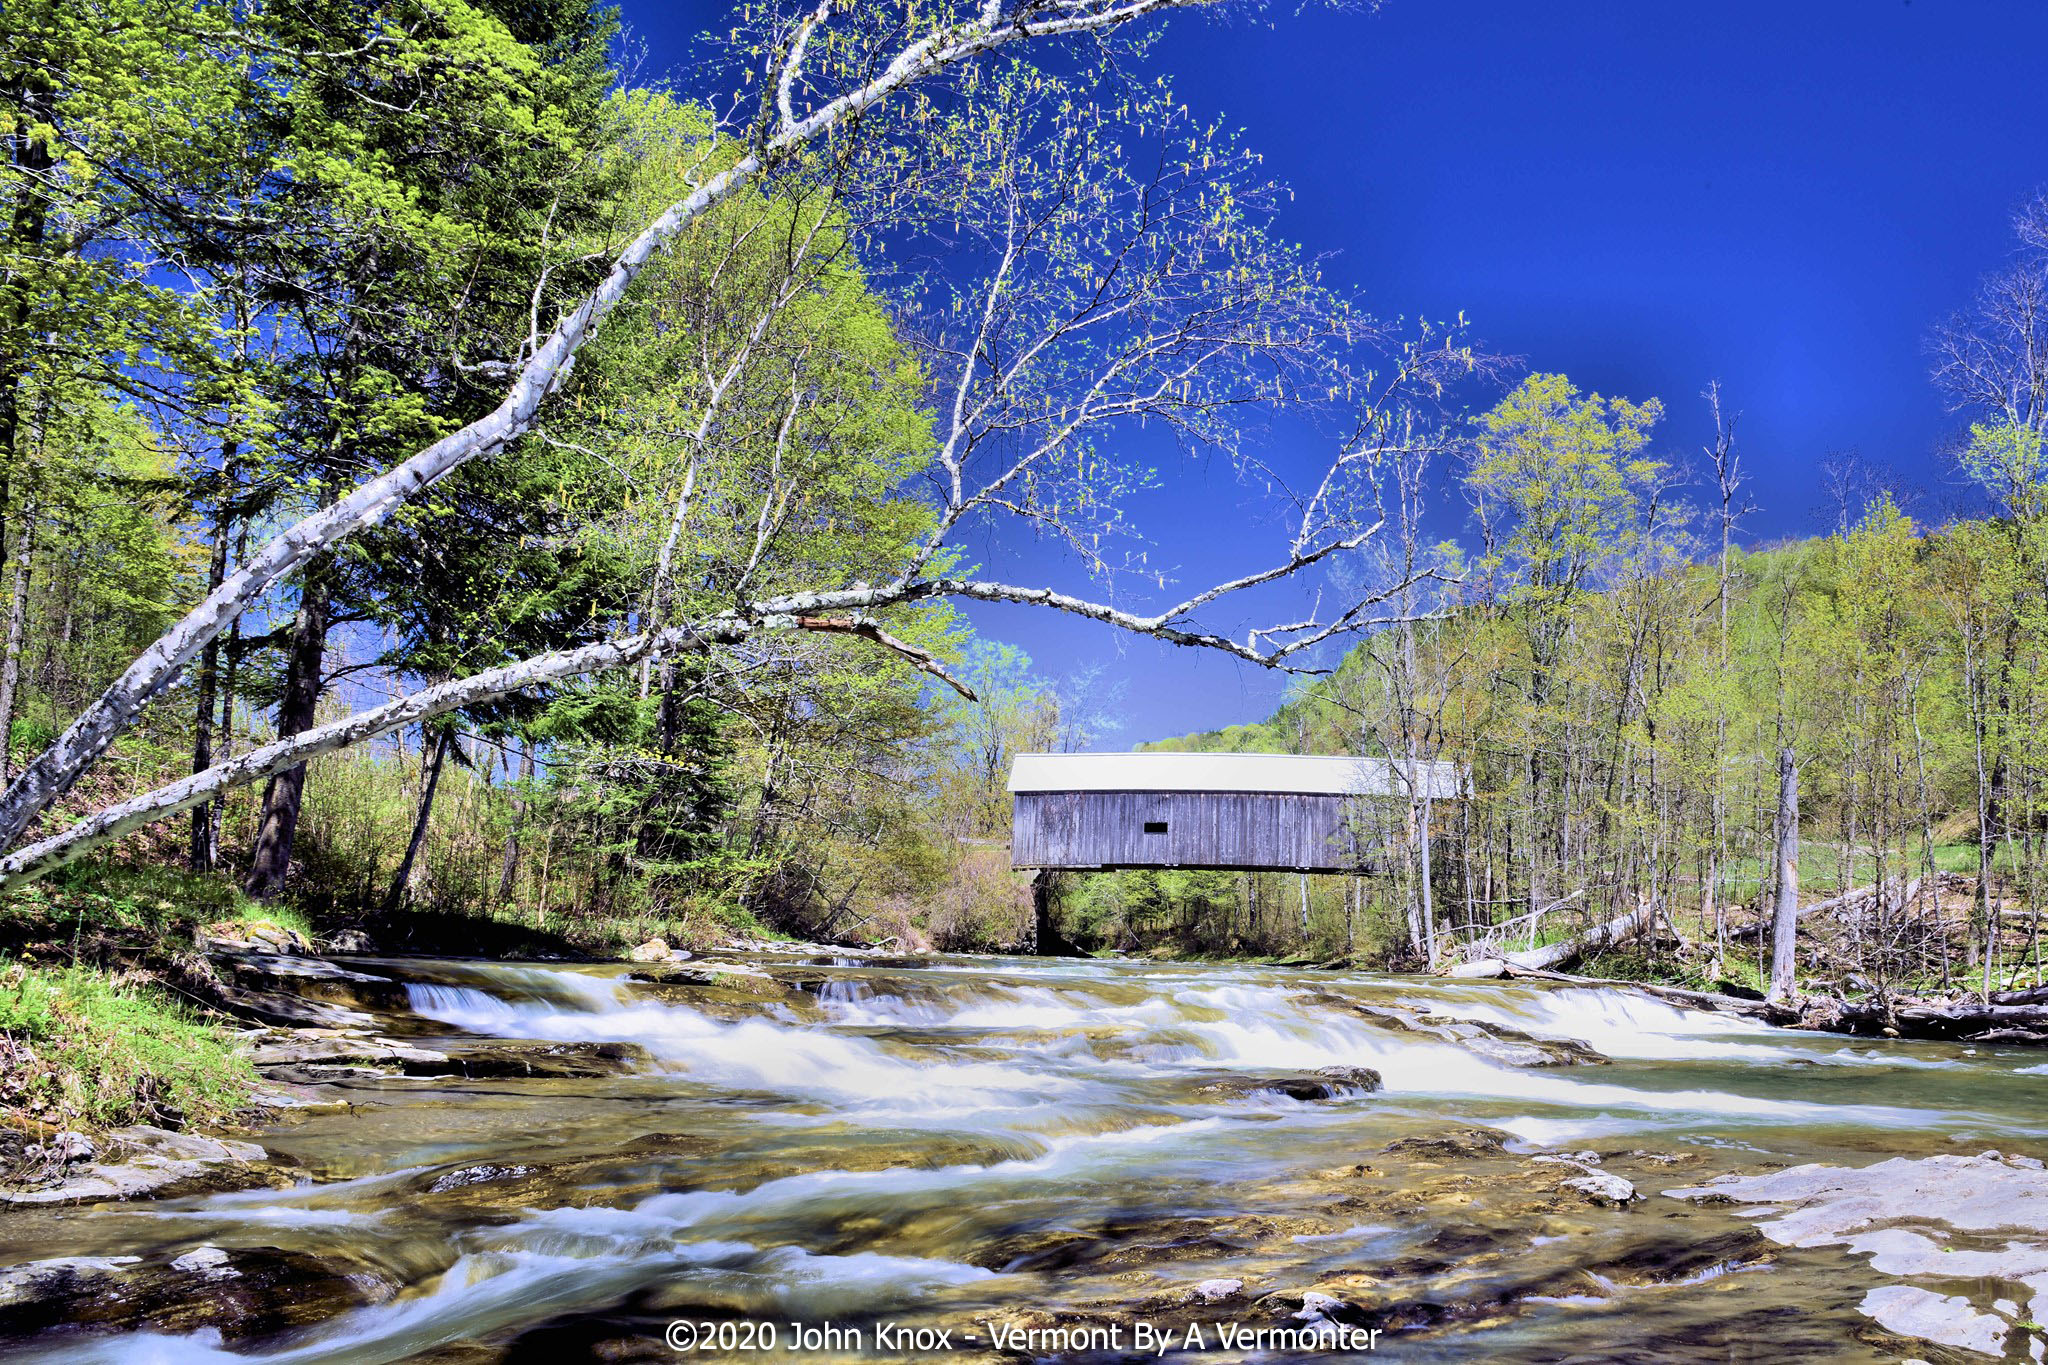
664 641
1622 678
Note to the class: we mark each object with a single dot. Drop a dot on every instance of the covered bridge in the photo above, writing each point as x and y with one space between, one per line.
1265 812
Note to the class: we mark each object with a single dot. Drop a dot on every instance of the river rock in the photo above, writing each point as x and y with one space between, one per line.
476 1175
1495 1042
1215 1291
1602 1188
315 1055
334 1047
1945 1318
252 936
1327 1083
654 950
1452 1142
1317 1306
352 941
211 1262
238 1294
1899 1214
145 1160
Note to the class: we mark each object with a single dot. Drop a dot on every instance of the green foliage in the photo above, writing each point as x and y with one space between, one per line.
84 1049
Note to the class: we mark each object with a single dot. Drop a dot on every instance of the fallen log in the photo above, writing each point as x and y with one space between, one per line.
1959 1019
1747 932
1571 949
2031 995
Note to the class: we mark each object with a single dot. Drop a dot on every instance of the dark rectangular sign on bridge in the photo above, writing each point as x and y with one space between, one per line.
1267 812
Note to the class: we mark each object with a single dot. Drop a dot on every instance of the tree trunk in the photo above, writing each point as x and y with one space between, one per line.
27 228
781 143
429 781
1785 920
17 628
285 791
202 852
508 871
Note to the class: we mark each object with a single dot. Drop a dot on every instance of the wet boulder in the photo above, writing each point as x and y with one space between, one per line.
238 1293
142 1160
516 1059
1495 1042
1328 1083
1452 1142
1602 1187
653 950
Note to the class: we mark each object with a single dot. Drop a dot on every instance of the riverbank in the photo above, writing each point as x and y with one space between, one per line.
561 1158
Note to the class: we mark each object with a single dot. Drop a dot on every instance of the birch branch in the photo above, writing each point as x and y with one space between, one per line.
52 772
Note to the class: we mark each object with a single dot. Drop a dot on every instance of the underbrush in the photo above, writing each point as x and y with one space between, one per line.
83 911
81 1047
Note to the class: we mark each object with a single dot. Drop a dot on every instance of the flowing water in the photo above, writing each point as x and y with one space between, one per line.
984 1146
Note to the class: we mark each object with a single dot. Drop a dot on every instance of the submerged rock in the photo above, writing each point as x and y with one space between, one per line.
1327 1083
1945 1318
1452 1142
152 1161
1901 1215
1495 1042
240 1293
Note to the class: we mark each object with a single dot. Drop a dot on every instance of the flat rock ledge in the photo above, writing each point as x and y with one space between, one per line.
142 1160
1949 1221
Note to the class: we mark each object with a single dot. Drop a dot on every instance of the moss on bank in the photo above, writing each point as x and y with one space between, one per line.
81 1047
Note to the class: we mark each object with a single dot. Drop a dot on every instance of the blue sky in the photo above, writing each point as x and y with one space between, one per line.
1782 196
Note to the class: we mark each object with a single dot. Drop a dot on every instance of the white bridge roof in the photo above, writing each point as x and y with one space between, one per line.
1279 774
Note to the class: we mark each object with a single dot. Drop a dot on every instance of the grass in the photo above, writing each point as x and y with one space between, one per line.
82 1048
132 905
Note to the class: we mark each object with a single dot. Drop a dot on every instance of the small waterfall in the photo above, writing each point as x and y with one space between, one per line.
960 1138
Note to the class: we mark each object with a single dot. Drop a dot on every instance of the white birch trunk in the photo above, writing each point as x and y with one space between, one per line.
53 771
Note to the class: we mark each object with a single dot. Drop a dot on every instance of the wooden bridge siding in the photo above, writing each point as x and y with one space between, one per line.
1204 829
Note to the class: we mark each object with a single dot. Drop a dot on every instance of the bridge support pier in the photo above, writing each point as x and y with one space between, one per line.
1045 935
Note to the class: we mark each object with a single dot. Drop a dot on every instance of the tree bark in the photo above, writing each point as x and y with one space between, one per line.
508 871
429 782
779 142
202 851
27 229
1785 917
1601 935
282 797
17 629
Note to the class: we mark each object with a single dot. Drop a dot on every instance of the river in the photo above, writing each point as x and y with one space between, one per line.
960 1149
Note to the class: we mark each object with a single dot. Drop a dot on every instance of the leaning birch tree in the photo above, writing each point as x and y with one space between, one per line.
1082 299
819 73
